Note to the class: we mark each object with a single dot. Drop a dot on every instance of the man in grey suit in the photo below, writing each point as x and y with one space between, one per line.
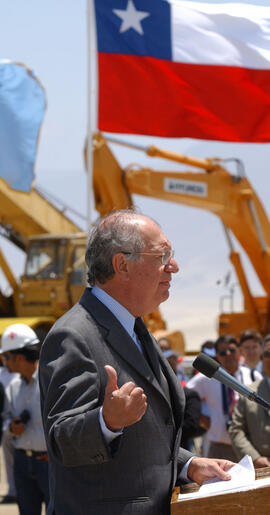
250 426
112 407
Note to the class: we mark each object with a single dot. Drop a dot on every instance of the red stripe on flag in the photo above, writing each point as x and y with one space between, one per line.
143 95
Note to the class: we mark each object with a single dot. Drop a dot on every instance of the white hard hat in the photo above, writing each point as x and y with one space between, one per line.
17 336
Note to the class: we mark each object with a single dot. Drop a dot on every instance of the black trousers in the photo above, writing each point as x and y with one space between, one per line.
32 483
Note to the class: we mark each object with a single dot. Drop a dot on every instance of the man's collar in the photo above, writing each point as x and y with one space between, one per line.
119 311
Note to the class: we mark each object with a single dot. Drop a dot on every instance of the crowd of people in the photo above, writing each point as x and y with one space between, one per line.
99 414
231 426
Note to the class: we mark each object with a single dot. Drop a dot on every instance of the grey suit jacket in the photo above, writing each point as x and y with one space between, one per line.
137 472
250 426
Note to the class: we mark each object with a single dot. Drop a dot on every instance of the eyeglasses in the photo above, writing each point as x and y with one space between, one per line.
165 258
223 352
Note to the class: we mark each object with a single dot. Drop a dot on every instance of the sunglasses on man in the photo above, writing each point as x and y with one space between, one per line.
230 349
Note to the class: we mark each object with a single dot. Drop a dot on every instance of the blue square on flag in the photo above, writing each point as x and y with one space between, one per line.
134 27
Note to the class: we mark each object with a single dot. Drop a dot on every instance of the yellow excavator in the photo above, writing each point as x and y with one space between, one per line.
54 274
54 247
211 187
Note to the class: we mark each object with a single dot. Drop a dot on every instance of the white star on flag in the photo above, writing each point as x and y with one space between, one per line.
131 17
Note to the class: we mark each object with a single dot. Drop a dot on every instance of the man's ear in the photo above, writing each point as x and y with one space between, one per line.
120 265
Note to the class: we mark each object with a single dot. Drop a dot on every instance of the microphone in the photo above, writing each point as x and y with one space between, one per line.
211 368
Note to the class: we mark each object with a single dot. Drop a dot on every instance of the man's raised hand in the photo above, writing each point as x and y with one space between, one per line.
122 406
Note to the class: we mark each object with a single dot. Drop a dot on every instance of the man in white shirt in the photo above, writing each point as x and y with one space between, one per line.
251 351
22 419
219 399
6 376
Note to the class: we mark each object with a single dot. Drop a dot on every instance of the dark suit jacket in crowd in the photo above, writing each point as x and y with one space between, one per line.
137 472
191 425
250 426
2 400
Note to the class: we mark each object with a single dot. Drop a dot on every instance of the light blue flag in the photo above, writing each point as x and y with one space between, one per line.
22 107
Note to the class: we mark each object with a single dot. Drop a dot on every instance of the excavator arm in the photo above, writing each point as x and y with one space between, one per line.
28 214
229 197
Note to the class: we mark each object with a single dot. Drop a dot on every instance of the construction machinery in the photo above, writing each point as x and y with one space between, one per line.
55 273
211 187
55 276
54 265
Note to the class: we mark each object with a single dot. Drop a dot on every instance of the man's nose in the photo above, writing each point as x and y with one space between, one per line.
172 266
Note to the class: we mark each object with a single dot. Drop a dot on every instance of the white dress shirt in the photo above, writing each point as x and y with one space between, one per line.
6 376
21 396
210 391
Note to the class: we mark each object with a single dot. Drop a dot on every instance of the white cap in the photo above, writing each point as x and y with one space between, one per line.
18 336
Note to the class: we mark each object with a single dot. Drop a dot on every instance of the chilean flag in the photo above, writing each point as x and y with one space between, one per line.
184 69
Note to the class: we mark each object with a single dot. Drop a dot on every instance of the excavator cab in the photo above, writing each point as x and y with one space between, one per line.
53 280
46 259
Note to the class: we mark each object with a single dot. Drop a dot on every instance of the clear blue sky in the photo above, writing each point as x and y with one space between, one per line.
51 38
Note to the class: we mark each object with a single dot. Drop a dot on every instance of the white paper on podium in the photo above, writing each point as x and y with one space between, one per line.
242 476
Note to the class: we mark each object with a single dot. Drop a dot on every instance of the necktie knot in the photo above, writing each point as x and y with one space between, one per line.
139 332
142 334
138 327
151 354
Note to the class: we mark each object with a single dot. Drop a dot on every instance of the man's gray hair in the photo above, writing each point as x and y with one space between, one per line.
114 233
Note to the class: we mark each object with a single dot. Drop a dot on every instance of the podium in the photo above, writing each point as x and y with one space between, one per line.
255 500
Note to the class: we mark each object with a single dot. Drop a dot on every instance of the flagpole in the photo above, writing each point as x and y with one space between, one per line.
92 97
